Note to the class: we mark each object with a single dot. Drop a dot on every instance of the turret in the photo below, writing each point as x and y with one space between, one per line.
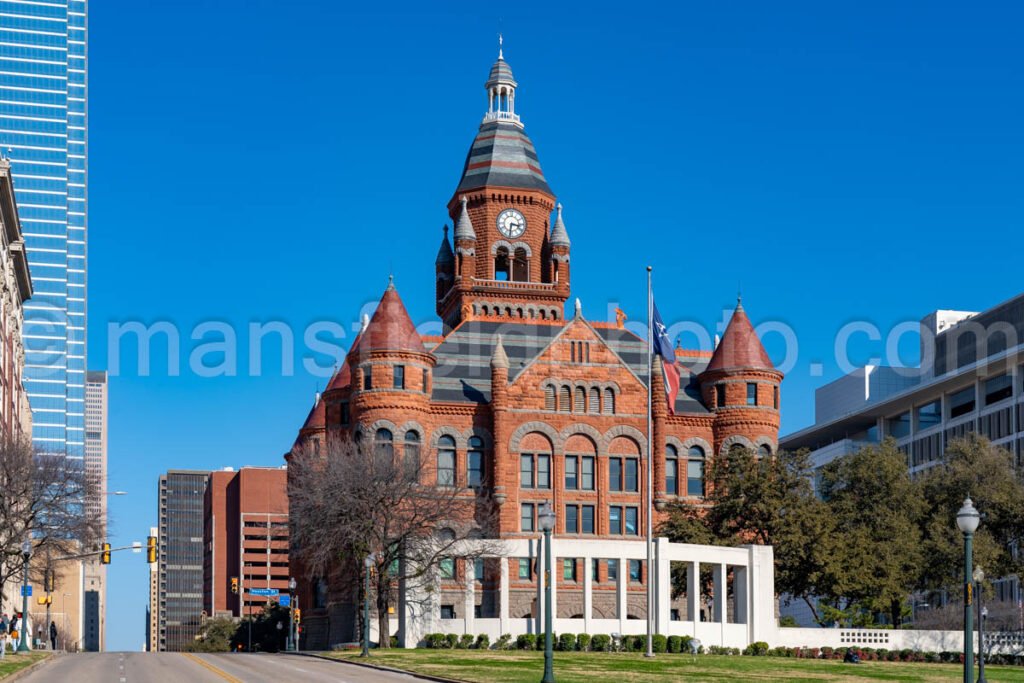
444 267
560 244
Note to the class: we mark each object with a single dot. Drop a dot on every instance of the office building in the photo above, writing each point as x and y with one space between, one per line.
43 129
96 466
152 608
246 540
180 558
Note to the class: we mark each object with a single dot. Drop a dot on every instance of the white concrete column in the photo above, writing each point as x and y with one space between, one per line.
503 595
588 597
469 601
693 591
662 586
621 592
718 579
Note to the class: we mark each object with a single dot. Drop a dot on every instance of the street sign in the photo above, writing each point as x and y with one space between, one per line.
284 600
263 591
26 591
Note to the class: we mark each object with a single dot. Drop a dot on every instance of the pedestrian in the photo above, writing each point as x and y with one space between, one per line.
53 636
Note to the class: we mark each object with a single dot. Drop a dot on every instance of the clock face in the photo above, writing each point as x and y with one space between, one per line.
511 223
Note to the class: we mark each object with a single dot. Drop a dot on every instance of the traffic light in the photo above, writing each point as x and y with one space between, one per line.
49 581
234 585
105 557
298 615
151 549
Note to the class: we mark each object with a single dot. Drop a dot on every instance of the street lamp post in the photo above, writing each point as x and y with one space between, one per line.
291 614
26 553
979 576
967 520
546 518
367 565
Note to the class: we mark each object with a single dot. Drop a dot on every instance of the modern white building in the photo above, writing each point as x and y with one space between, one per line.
971 379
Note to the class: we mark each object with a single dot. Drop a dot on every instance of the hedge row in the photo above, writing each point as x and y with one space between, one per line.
583 642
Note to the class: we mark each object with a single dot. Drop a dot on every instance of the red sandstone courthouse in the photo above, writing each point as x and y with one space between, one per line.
525 401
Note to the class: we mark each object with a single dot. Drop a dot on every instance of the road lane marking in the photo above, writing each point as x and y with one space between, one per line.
210 667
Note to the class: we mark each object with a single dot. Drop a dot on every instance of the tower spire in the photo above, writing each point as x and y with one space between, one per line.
500 55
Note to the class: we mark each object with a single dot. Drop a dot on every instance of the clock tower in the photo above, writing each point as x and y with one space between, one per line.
510 254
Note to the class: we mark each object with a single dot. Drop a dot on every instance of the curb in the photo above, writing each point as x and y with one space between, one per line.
21 673
378 667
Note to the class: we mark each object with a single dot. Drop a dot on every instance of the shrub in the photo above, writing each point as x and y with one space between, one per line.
686 644
583 642
453 640
720 650
526 641
465 641
541 640
637 643
757 649
659 643
602 642
931 657
826 652
567 642
483 642
675 644
812 652
504 642
436 641
906 655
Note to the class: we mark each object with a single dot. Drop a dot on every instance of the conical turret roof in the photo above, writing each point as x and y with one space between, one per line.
740 346
390 328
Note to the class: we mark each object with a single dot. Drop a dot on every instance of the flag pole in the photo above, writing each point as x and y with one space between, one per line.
650 468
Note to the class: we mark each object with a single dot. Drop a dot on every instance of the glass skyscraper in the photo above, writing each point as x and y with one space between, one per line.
43 126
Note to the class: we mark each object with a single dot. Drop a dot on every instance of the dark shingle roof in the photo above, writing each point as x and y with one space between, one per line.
502 156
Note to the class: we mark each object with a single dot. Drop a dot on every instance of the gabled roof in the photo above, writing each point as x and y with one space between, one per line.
740 347
502 156
390 328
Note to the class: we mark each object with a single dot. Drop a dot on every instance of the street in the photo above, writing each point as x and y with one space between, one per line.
171 667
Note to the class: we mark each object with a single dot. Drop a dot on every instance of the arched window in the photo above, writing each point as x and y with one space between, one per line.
609 402
446 461
520 266
595 400
384 442
764 450
549 397
501 264
475 462
581 400
671 470
695 472
412 448
565 400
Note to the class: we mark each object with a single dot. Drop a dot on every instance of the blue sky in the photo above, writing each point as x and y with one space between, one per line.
259 161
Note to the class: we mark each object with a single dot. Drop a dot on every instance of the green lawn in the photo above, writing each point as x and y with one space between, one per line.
13 662
594 667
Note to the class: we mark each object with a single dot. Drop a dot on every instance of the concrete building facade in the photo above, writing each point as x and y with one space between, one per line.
95 573
180 557
245 538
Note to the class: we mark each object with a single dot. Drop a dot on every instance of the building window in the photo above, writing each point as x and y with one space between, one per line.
549 397
399 377
426 380
929 415
595 570
571 475
961 403
671 470
608 407
572 521
447 611
615 474
384 442
569 569
588 519
998 388
565 399
623 474
446 461
581 400
751 394
524 568
475 462
526 471
543 471
587 473
695 478
526 517
632 474
535 471
367 377
520 266
412 449
719 395
595 401
613 569
501 264
344 413
775 397
764 450
615 519
632 522
635 572
447 567
478 569
899 426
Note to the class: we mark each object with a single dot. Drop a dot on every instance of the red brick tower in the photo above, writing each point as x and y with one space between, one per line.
508 261
741 386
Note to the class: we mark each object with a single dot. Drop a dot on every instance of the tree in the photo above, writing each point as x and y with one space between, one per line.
269 630
876 508
44 500
971 467
214 636
762 500
355 499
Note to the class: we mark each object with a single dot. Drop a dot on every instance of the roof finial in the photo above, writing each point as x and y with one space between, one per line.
391 280
364 323
579 308
500 55
739 295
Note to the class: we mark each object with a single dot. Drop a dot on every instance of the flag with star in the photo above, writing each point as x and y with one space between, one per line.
662 346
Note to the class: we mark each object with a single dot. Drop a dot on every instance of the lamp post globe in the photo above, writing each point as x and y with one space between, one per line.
546 519
967 520
26 554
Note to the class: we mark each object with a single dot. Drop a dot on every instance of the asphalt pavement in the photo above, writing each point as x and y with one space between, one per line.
173 667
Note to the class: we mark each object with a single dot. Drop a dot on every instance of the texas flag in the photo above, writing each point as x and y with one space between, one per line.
663 347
